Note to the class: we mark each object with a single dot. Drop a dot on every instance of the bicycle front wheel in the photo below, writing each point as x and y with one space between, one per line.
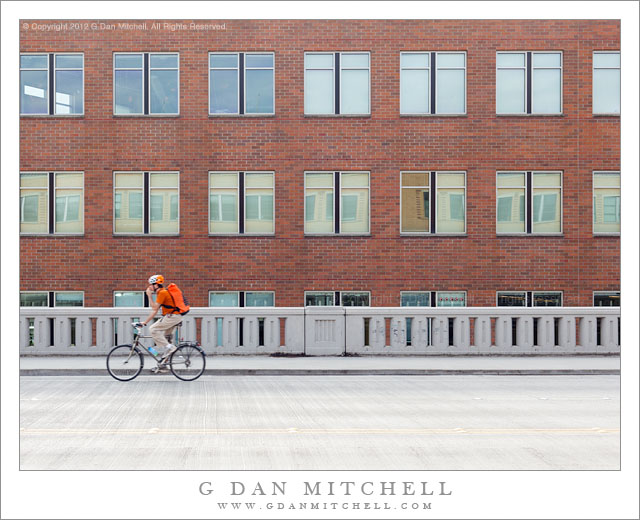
125 362
188 362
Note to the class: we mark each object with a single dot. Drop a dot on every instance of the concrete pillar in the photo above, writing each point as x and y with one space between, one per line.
588 333
482 333
272 334
440 333
230 333
398 336
567 334
209 333
609 332
104 334
377 333
461 334
41 333
62 334
504 339
125 331
249 333
188 330
294 334
24 334
546 334
419 333
524 333
324 332
83 333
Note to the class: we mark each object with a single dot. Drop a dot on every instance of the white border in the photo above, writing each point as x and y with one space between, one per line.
497 494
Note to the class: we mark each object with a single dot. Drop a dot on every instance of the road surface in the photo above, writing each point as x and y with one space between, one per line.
321 422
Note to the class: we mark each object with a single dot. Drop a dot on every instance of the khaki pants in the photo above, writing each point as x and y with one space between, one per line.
163 327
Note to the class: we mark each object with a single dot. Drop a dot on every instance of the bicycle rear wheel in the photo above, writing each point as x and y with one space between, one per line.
188 362
124 362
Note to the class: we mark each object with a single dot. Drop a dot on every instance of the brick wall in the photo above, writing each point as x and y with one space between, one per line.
290 143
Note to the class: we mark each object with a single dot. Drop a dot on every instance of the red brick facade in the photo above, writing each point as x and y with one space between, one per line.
290 143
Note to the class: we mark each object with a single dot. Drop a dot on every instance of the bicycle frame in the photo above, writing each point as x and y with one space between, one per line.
137 343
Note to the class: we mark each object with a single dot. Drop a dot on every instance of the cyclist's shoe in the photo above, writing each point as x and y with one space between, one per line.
167 353
160 369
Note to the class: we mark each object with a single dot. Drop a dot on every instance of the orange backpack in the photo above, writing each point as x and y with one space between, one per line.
180 303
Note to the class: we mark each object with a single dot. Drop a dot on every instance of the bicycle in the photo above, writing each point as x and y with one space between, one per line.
125 362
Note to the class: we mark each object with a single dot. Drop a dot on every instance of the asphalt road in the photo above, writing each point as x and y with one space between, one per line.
321 422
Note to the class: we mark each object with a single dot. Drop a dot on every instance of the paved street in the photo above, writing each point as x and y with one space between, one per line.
321 422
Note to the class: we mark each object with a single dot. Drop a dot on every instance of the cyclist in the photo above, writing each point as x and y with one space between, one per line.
170 317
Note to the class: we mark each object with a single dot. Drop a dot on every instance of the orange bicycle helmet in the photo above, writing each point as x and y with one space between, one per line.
156 278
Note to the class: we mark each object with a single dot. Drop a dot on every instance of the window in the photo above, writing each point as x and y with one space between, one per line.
241 203
224 299
512 299
68 299
52 203
529 82
606 299
606 202
34 299
417 299
529 203
339 298
259 299
320 299
241 83
354 298
547 299
242 299
451 298
345 194
432 83
336 83
52 299
529 298
433 202
146 203
130 299
606 83
51 84
146 84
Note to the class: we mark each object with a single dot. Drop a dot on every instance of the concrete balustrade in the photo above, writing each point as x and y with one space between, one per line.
332 331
